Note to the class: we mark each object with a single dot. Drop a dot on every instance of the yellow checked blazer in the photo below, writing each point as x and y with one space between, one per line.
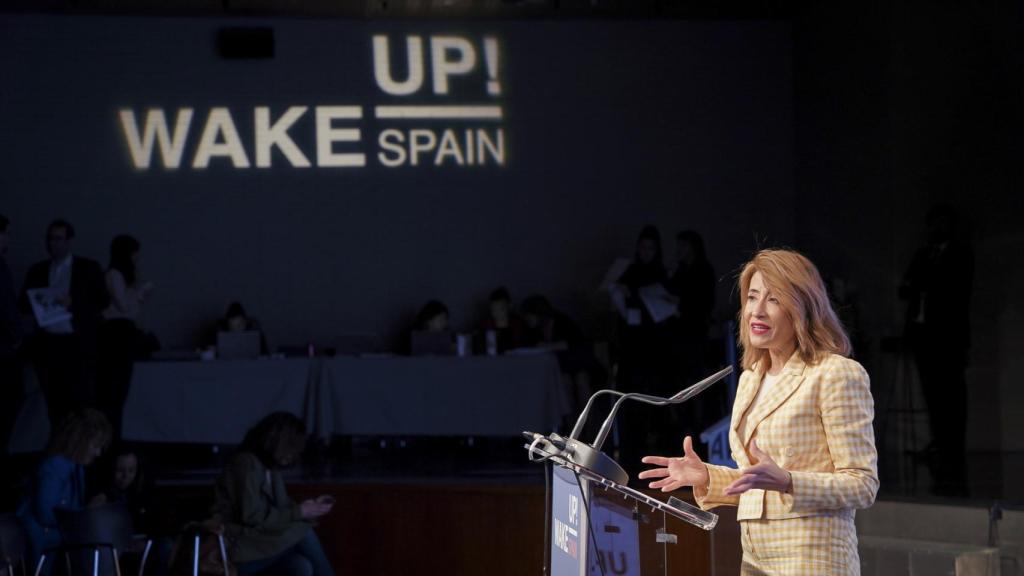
816 423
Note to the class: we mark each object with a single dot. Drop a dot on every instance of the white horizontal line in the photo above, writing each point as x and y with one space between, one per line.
439 112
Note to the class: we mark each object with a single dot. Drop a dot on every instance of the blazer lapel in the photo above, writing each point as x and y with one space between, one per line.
792 376
745 394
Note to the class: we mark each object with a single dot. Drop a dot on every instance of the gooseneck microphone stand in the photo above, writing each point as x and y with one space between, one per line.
590 456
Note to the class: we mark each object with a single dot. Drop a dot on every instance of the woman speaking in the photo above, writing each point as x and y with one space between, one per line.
800 432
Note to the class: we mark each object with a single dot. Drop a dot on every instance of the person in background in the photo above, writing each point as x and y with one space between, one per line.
64 353
268 531
121 342
937 287
507 325
126 484
692 284
59 481
643 359
546 327
430 334
10 344
433 317
235 319
801 429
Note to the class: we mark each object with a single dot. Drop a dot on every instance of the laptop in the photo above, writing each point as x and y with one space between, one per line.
238 345
426 343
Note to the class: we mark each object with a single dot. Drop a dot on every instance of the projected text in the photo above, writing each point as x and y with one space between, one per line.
452 133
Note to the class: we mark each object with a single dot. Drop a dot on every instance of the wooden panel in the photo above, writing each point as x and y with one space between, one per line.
395 529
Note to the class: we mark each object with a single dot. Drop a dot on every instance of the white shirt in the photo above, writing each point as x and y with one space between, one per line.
60 281
767 384
125 301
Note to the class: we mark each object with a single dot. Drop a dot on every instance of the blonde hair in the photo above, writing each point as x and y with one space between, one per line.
795 281
76 434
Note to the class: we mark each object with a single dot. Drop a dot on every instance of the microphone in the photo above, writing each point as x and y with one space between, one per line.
678 398
589 456
578 427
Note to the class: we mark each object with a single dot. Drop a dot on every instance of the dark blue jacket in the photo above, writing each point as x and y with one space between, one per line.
58 483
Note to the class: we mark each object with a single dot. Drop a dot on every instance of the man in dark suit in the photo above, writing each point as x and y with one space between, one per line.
937 287
64 353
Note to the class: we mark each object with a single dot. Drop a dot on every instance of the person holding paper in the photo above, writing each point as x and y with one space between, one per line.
64 352
801 429
643 353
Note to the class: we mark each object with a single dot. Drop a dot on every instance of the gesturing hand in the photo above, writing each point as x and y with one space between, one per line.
764 474
676 472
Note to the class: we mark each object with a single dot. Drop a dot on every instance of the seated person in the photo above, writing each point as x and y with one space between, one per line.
548 328
126 485
59 481
433 317
269 532
506 324
430 334
235 319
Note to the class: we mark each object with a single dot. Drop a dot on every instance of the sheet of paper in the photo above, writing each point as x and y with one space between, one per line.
658 301
47 307
615 271
619 301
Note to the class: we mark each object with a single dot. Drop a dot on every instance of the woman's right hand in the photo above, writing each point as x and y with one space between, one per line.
677 472
310 509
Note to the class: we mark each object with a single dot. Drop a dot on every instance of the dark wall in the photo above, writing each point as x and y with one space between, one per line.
609 126
901 106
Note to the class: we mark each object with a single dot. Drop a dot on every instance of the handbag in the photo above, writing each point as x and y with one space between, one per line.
202 549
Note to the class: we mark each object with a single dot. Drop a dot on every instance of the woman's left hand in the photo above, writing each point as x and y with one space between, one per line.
764 474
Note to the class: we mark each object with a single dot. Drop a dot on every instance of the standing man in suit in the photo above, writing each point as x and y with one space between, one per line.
64 353
801 430
937 287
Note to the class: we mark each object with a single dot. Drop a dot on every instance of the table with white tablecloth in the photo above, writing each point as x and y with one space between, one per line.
216 402
474 396
213 402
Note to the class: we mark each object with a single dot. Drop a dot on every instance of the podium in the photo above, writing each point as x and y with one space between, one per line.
599 527
596 525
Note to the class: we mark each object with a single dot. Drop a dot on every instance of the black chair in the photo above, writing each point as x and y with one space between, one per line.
201 549
87 534
12 545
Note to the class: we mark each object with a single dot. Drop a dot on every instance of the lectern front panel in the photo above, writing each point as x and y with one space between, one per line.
567 524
